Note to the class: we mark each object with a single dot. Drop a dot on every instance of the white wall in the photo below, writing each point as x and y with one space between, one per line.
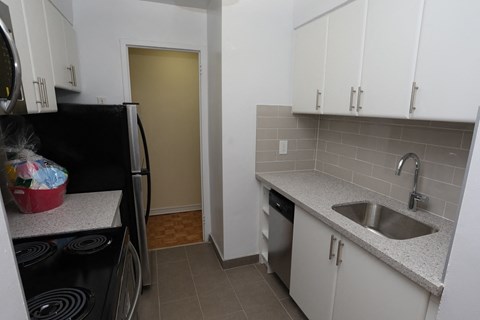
256 59
307 10
100 25
214 31
11 291
462 281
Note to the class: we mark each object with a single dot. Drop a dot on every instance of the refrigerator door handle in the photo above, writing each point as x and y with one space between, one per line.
133 138
141 229
146 171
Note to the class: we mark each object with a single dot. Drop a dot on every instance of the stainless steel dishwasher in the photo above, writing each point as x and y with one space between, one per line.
280 226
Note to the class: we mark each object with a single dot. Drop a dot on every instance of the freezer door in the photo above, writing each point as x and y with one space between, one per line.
141 229
133 138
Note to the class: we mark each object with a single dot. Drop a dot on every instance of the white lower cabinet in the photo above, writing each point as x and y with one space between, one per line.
333 278
313 273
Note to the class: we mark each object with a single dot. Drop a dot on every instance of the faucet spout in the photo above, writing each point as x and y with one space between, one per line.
414 195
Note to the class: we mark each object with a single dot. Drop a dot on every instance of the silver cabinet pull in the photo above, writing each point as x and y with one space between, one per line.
339 253
413 96
359 98
352 92
45 94
74 71
73 75
317 106
40 92
332 241
70 68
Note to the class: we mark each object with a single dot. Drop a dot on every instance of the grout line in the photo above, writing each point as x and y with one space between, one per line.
236 295
273 291
158 287
194 285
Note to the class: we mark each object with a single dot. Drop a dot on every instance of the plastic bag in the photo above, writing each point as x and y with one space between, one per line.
36 183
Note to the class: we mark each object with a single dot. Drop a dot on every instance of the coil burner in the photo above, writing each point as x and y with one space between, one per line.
88 244
30 253
61 304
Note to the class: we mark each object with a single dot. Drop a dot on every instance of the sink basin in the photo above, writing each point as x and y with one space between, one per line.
384 221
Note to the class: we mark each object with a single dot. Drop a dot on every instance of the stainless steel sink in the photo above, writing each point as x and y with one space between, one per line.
384 221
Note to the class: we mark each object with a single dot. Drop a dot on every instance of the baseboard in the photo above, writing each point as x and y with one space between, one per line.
233 263
168 210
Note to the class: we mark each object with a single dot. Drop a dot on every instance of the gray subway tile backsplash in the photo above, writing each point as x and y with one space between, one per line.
365 151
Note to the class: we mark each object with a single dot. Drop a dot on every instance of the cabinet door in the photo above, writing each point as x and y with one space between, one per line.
309 66
72 55
390 52
58 48
346 28
368 289
448 61
34 13
21 41
312 278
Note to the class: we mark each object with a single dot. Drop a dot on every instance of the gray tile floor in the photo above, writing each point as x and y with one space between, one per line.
190 284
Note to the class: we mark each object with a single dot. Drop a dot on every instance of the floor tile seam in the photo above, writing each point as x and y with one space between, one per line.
194 285
236 295
177 246
274 294
177 300
158 288
214 255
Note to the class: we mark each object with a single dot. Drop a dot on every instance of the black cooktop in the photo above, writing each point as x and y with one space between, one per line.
72 276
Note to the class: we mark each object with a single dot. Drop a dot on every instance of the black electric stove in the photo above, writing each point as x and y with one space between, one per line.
73 276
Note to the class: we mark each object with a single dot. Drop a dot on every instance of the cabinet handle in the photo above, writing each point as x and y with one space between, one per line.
359 98
74 71
40 92
352 92
339 252
332 241
70 68
317 106
45 95
413 96
73 75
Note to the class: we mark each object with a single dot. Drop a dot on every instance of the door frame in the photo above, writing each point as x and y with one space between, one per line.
125 44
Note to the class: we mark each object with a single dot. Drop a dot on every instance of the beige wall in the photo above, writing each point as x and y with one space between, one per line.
166 84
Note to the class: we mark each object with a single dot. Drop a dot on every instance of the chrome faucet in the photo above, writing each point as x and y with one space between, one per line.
415 197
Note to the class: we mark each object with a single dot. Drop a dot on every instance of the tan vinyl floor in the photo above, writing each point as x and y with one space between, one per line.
169 230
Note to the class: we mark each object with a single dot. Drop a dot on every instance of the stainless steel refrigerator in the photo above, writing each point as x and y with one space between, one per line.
104 148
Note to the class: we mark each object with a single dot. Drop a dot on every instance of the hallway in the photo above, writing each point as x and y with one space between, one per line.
170 230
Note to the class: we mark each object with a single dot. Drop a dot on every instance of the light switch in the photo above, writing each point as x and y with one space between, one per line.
283 147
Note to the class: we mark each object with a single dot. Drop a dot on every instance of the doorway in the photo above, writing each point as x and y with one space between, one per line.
166 84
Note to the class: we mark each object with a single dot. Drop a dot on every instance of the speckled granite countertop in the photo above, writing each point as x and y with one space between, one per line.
80 211
420 259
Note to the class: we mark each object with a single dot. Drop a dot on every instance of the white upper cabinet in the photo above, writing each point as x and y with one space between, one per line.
448 66
34 15
346 29
63 49
72 55
390 51
21 41
309 66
